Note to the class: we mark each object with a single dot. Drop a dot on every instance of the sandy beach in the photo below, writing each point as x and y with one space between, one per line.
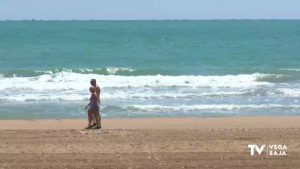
149 143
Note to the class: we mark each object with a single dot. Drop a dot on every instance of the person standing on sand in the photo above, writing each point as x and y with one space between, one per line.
96 112
93 109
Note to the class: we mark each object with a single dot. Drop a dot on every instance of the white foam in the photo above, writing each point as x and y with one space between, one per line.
108 70
207 107
77 81
74 86
287 92
112 95
170 94
44 97
114 70
291 69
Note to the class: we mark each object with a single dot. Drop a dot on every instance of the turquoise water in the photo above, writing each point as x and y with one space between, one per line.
150 68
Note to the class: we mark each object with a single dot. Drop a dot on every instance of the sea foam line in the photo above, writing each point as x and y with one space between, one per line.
106 70
224 107
78 81
291 69
70 96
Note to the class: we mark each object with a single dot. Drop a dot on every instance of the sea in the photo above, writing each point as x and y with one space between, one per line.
146 69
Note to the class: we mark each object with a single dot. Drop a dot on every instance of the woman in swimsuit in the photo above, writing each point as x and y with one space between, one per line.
93 109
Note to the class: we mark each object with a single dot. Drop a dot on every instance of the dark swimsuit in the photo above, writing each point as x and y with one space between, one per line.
94 104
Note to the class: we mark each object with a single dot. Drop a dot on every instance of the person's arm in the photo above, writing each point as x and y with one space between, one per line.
96 95
87 105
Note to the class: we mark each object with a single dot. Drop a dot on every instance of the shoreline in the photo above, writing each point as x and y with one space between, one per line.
250 122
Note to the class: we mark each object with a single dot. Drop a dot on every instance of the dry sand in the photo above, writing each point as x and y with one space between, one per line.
149 143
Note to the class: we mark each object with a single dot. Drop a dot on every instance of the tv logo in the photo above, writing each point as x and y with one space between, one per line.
254 147
272 149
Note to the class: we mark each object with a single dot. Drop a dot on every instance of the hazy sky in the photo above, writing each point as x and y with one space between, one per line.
148 9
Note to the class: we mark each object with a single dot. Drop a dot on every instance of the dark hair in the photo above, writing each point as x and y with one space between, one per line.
93 81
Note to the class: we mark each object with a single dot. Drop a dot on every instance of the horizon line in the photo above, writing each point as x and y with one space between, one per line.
246 19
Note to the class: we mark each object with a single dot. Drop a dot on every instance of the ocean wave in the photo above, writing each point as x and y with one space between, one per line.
288 92
24 95
115 70
103 71
116 95
290 69
204 107
44 97
99 71
175 95
78 81
273 78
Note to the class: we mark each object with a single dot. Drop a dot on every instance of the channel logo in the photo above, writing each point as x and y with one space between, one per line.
271 149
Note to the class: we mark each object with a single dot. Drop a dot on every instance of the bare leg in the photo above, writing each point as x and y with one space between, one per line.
90 117
94 120
98 118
